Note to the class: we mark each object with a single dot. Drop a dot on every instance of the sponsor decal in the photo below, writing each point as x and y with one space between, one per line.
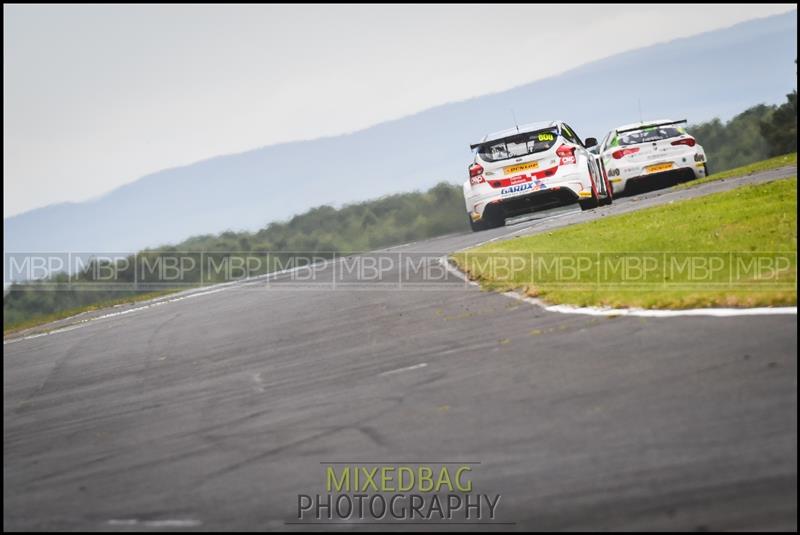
538 185
568 160
519 179
546 136
521 167
659 167
517 189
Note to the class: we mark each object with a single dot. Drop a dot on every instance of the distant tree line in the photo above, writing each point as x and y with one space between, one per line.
758 133
364 226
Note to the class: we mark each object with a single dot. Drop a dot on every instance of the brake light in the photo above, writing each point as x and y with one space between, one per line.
687 141
565 152
476 174
617 154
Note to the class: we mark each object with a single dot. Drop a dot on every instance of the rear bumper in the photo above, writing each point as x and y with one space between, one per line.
567 185
622 173
673 175
523 204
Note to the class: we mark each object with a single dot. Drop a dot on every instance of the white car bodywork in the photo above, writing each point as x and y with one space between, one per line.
518 170
645 150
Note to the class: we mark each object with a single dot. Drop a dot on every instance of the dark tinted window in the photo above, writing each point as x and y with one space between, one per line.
570 134
647 135
518 145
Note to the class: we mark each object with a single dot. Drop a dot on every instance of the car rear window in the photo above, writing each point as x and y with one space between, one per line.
518 145
647 135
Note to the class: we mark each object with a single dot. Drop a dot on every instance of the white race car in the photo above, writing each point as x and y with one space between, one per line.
530 167
647 150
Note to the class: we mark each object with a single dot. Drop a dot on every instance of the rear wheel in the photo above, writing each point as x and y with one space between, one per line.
493 217
476 226
609 198
495 221
594 200
588 204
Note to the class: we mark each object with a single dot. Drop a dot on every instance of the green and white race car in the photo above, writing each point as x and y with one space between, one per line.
648 150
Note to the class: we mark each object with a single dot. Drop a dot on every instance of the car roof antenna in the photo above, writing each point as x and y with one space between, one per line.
639 101
515 119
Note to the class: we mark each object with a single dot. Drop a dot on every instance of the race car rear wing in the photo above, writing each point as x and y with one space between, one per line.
474 146
642 127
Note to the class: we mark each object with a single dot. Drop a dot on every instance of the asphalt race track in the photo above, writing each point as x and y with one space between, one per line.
215 412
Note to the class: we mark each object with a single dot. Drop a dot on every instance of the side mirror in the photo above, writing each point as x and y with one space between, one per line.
590 142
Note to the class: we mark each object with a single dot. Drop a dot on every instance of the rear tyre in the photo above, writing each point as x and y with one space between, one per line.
588 204
493 217
592 202
609 198
476 226
495 221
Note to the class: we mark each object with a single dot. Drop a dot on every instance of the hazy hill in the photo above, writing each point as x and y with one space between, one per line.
719 73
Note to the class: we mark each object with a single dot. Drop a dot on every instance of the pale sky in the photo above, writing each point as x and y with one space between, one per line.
97 96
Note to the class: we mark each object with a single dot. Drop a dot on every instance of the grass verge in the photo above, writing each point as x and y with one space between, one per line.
734 249
62 314
757 167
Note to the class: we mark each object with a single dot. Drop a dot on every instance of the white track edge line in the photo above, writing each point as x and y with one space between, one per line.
637 312
166 300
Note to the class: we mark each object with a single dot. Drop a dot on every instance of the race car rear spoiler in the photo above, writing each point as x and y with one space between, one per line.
474 146
642 127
